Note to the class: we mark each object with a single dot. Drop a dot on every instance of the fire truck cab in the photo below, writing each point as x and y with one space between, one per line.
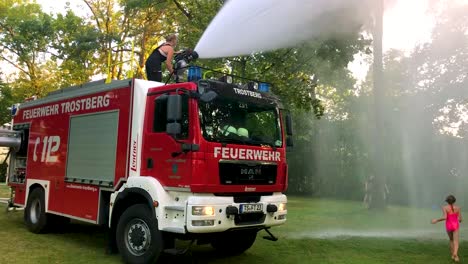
201 161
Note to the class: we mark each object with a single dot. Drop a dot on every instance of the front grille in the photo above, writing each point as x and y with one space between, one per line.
249 219
242 173
247 199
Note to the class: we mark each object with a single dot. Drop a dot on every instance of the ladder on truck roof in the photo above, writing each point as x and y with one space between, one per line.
78 90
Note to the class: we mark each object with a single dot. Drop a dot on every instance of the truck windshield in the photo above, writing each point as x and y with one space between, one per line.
237 122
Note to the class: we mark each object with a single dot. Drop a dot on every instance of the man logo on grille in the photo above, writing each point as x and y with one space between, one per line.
251 172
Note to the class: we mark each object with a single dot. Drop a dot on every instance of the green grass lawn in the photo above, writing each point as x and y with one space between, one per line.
317 231
4 191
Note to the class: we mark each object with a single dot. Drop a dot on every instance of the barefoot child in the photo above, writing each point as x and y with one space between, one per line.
452 217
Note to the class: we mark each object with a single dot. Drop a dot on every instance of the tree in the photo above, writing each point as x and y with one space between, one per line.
74 49
25 35
128 29
441 68
312 79
6 100
47 52
425 113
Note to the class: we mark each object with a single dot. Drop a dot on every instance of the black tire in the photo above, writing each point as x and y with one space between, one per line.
234 242
35 216
138 238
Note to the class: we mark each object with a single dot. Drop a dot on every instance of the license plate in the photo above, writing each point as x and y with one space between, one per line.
251 208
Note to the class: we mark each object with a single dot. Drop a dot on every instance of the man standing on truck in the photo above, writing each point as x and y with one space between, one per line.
162 53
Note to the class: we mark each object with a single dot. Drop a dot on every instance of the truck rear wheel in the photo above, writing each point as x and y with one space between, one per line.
234 242
35 216
138 237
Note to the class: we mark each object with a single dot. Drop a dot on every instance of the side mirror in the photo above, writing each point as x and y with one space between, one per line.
289 130
161 98
173 129
174 108
289 142
174 114
208 96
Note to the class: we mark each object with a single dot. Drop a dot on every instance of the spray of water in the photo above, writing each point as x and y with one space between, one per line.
244 26
346 233
425 165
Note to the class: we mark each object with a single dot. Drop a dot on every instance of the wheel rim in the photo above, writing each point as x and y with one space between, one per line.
35 211
137 237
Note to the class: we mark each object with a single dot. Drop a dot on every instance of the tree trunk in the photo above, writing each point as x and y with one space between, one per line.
378 200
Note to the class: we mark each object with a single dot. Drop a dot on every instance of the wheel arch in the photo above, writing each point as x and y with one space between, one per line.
35 213
35 186
124 200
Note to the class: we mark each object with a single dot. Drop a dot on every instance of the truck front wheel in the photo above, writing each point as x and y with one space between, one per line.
35 215
234 242
138 237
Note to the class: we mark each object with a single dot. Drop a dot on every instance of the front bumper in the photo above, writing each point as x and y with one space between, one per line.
226 217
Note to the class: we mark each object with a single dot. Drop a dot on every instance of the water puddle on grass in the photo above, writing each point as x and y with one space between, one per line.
397 234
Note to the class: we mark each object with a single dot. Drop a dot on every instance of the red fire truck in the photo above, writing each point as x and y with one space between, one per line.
198 161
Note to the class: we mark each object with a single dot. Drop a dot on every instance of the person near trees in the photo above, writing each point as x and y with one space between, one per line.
371 188
368 189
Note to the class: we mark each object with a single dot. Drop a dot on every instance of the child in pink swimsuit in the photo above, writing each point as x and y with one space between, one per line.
452 217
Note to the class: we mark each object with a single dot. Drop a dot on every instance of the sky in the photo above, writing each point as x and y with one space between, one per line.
405 25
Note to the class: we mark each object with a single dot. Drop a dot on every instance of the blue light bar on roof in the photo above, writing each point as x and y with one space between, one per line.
14 109
264 87
194 74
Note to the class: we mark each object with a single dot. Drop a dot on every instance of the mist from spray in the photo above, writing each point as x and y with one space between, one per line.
425 142
427 113
243 27
346 233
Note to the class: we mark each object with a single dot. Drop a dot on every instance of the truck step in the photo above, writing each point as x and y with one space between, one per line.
174 230
270 236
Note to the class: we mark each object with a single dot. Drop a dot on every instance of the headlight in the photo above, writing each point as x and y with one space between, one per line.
202 210
282 207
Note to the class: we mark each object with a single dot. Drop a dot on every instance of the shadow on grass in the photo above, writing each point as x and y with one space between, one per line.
206 254
92 237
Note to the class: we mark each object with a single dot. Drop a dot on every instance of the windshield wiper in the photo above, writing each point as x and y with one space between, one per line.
258 142
230 140
247 141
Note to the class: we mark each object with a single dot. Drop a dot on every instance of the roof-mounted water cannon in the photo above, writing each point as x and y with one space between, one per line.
182 60
187 55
